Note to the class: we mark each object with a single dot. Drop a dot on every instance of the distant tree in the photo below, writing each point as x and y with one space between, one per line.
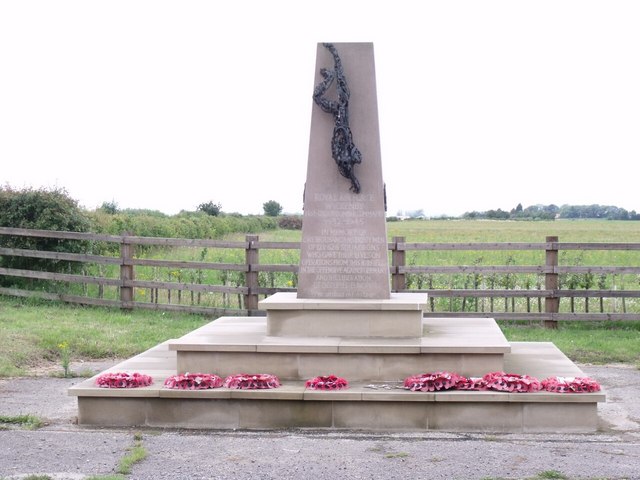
498 214
416 214
517 212
109 207
272 208
539 212
551 212
617 213
552 209
210 208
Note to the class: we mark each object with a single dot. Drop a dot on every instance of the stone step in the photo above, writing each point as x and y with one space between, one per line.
362 406
229 345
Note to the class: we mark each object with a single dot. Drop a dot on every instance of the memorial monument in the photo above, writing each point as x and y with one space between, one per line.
343 320
344 234
343 280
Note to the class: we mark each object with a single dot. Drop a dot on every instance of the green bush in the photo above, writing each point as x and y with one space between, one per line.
41 209
210 208
290 222
183 225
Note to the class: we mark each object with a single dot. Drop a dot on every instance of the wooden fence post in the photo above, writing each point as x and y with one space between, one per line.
126 272
252 257
551 304
398 280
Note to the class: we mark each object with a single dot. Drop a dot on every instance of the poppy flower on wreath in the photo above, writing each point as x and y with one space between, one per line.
328 382
193 381
258 381
570 385
511 382
123 380
432 382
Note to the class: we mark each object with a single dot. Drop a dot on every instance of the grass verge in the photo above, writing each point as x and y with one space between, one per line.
584 342
32 333
28 422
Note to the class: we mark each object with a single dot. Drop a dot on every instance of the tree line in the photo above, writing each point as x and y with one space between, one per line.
552 212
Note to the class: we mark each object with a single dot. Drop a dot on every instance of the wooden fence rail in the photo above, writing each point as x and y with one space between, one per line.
248 289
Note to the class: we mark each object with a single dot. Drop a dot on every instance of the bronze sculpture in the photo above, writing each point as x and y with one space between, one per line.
343 150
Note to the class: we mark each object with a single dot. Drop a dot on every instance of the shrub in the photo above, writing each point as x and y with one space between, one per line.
184 225
210 208
290 222
41 209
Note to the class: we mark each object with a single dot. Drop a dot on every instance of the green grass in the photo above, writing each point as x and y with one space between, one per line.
584 342
546 475
136 454
31 332
107 477
515 231
471 231
396 455
28 422
552 474
419 231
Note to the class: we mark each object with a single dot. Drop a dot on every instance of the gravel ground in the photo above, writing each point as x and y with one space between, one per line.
63 450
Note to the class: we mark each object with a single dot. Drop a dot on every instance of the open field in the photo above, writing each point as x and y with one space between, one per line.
414 231
33 332
473 231
515 231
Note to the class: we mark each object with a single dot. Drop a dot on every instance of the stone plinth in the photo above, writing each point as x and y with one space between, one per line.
359 407
396 317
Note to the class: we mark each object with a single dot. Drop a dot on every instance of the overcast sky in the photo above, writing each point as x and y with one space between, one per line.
166 105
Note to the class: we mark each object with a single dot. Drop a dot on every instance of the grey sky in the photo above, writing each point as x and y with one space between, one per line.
165 105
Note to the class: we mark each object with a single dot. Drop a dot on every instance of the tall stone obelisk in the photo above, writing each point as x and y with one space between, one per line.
344 252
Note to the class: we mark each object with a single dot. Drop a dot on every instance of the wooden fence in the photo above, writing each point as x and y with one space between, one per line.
186 294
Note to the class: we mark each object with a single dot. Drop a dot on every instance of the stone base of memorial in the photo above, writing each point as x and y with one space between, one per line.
378 403
396 317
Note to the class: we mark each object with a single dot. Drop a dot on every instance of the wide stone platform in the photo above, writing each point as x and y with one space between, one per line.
232 345
369 404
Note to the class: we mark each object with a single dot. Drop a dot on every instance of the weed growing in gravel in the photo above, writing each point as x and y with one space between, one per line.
107 477
552 475
396 455
28 422
546 475
136 454
65 358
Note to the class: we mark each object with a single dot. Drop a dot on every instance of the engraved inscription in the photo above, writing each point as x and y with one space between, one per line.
344 255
